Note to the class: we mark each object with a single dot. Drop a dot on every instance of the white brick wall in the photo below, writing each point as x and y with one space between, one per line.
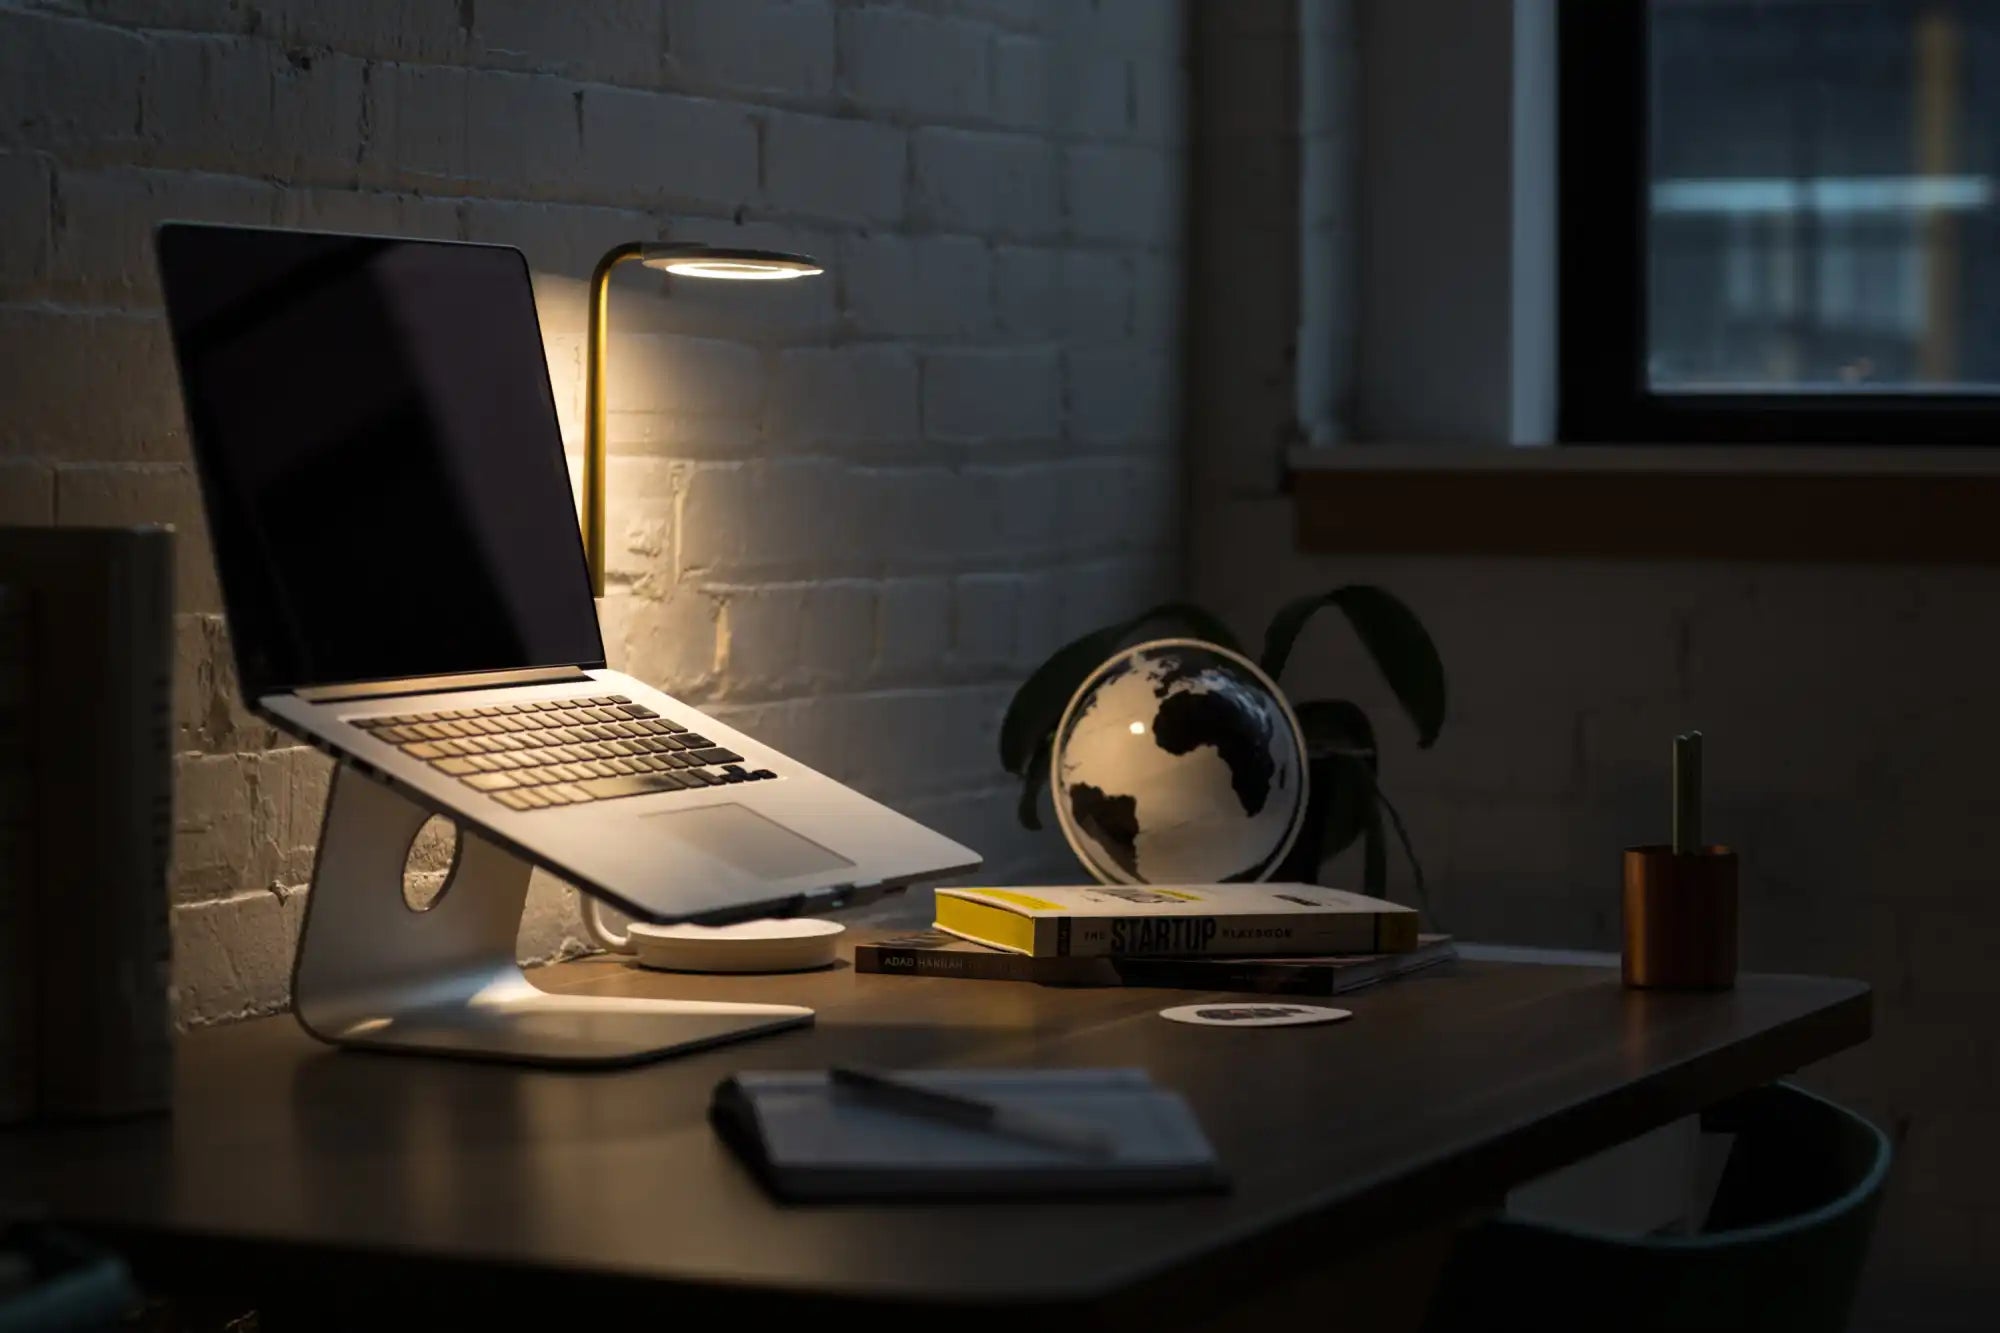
849 514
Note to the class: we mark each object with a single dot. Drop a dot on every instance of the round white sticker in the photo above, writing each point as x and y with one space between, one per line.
1254 1014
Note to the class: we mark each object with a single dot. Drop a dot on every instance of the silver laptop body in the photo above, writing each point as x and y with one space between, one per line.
351 399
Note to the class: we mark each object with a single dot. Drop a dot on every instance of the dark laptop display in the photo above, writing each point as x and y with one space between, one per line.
380 460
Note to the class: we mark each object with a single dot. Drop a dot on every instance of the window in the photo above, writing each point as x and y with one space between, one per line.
1780 220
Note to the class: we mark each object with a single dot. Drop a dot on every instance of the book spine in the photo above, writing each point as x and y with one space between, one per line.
995 966
1210 936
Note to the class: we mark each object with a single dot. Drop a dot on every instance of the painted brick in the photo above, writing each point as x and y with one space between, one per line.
783 45
233 956
668 642
771 519
194 15
1021 92
1158 101
641 497
848 170
1119 395
84 384
915 286
70 83
220 103
229 811
380 29
524 134
418 131
992 395
25 182
27 492
1091 92
1128 195
793 637
986 619
115 494
562 242
1002 184
901 60
655 147
209 715
913 619
664 390
890 743
612 41
377 214
103 249
842 394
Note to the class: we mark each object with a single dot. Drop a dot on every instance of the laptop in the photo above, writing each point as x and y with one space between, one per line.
404 579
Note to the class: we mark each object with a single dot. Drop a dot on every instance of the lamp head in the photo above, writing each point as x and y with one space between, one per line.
693 260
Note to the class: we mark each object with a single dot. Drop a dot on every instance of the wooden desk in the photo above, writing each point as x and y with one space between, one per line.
294 1175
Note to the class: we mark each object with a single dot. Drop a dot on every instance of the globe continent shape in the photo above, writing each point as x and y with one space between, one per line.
1177 764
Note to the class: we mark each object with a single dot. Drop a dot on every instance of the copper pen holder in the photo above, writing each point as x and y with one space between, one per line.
1680 918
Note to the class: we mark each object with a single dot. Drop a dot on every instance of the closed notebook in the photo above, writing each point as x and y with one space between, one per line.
809 1140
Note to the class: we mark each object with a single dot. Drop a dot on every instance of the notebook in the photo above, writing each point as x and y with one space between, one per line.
808 1141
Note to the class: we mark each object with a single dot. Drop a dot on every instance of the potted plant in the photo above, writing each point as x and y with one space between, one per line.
1345 801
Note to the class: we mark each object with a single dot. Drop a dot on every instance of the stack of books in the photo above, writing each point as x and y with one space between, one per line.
1272 939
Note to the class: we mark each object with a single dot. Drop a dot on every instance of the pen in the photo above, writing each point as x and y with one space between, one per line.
1687 793
1040 1127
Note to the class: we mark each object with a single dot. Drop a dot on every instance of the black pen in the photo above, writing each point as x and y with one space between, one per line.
1039 1127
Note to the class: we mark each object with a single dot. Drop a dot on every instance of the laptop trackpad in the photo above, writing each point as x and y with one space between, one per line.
738 836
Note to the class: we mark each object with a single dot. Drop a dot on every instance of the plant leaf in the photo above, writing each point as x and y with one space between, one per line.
1409 850
1336 726
1029 812
1350 791
1038 705
1392 634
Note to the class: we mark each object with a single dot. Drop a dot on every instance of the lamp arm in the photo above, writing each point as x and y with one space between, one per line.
597 347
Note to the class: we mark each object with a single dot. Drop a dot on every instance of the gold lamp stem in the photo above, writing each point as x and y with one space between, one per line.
596 354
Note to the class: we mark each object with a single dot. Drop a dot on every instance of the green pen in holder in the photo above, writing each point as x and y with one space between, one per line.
1680 898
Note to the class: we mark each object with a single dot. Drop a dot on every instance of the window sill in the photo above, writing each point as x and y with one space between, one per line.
1688 503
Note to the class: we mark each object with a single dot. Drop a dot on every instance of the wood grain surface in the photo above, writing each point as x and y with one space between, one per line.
291 1168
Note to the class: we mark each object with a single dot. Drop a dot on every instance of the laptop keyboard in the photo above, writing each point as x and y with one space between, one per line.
553 752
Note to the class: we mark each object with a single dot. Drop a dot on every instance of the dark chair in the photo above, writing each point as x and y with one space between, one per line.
1781 1249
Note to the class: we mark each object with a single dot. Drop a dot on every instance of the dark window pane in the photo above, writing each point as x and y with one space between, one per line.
1824 214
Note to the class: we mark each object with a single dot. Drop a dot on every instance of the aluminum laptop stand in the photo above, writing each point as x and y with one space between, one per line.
374 972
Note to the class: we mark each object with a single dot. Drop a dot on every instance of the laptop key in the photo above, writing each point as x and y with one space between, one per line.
762 773
637 785
717 755
423 750
636 710
693 741
458 768
490 781
574 791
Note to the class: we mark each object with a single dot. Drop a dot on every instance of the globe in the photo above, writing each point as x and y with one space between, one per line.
1179 762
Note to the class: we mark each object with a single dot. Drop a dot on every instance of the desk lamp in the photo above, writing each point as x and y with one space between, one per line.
688 259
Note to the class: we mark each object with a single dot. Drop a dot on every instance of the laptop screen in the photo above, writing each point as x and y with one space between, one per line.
379 456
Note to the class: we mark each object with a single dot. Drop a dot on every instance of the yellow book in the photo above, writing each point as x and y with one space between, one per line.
1169 920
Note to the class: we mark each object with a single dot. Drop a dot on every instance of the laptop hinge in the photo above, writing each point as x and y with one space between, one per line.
472 680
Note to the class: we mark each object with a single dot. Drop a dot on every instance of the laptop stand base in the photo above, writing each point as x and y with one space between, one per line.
375 973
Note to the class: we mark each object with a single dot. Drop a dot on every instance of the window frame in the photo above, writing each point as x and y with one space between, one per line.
1602 396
